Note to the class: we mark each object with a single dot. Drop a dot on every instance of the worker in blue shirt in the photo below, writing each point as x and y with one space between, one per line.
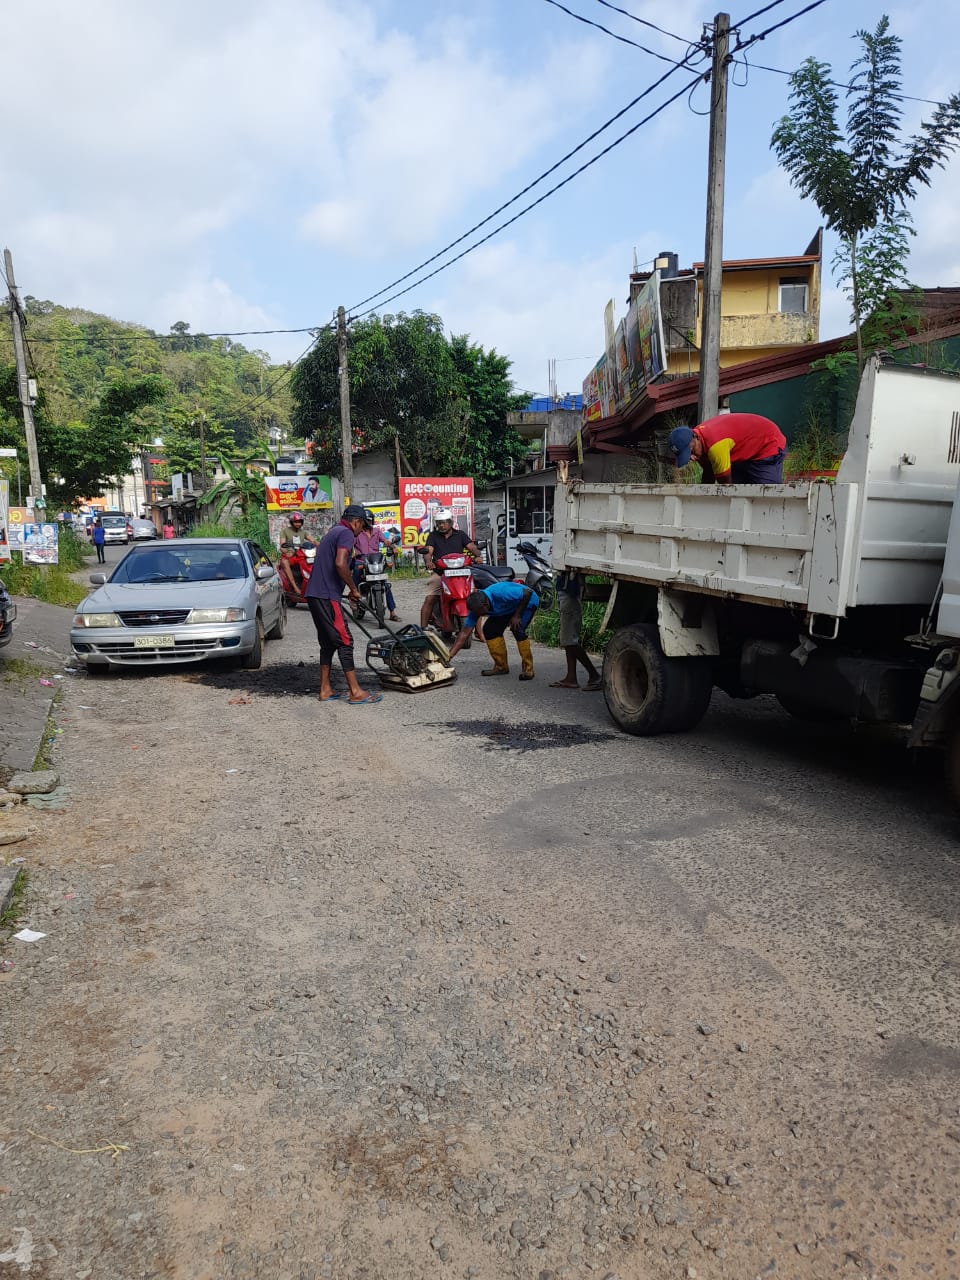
501 605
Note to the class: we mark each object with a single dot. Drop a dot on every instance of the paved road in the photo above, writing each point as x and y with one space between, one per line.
470 984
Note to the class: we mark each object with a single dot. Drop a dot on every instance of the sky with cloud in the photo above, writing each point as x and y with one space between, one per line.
254 166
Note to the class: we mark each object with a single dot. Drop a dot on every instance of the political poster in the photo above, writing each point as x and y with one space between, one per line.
17 518
4 519
304 493
650 329
421 498
40 544
386 517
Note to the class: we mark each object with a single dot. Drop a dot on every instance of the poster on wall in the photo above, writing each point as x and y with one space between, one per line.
650 329
308 493
40 544
386 517
17 517
420 499
4 519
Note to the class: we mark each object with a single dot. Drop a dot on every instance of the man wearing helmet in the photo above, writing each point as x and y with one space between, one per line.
446 540
369 541
292 536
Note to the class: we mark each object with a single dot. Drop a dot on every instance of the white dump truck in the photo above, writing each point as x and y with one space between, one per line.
841 598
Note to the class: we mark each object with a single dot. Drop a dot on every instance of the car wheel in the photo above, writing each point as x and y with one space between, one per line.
280 626
251 661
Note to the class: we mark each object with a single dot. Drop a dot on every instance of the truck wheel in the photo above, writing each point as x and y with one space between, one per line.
646 692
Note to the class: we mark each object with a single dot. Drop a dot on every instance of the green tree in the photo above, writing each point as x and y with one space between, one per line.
445 402
181 441
243 486
861 178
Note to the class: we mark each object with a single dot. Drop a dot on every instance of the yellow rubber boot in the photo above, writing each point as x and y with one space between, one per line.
498 652
526 659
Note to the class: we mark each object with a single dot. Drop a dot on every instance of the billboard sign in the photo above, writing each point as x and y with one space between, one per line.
304 493
40 545
4 518
420 499
386 518
650 329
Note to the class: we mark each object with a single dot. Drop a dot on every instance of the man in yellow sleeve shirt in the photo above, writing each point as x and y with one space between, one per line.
733 448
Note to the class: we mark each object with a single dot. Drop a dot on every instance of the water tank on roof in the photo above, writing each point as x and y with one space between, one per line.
667 264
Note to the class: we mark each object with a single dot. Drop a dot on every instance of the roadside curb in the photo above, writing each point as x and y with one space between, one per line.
8 878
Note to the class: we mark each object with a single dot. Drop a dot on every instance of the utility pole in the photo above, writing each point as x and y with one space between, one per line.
345 432
709 390
23 382
203 450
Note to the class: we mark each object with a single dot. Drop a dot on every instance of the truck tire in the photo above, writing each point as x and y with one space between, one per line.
646 692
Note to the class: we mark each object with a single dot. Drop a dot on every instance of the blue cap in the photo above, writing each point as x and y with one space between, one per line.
680 440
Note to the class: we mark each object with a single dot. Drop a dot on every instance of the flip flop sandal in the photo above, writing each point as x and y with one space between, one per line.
363 702
561 684
334 697
594 686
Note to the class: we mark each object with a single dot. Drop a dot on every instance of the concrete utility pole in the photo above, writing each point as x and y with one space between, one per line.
346 433
23 382
709 391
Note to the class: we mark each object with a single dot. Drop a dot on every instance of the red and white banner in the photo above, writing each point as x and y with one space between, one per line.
421 498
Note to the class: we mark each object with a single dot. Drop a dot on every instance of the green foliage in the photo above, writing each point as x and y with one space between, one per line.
209 529
862 177
545 628
49 583
254 525
243 485
446 401
16 901
817 446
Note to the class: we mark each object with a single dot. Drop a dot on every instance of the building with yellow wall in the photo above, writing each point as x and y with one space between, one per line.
767 305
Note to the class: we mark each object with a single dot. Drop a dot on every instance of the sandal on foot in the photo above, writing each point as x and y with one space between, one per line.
562 684
363 702
334 697
593 686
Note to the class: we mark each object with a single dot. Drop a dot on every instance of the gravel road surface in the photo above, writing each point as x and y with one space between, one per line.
468 984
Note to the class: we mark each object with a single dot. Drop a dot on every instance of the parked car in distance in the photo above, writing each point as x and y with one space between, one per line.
182 601
8 612
115 528
143 530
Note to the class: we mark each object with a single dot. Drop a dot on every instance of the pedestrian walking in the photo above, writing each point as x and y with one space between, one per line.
168 529
570 610
330 576
99 537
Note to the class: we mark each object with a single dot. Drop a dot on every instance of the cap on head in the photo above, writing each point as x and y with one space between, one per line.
441 514
680 439
353 511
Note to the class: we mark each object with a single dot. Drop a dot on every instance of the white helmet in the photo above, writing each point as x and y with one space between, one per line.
442 513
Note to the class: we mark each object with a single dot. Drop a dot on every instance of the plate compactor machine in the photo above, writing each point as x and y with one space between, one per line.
408 659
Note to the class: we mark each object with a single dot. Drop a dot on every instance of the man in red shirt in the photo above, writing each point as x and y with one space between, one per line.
733 448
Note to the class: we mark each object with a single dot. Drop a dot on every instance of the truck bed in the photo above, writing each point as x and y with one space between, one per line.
874 537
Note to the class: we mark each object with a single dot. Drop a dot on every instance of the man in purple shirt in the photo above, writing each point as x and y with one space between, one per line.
369 541
328 579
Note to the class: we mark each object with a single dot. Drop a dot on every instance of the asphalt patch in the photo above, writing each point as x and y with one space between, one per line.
528 735
277 680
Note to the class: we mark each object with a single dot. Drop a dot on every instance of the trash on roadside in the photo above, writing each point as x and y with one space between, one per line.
29 935
81 707
237 702
6 966
233 771
73 670
30 644
58 677
13 860
47 682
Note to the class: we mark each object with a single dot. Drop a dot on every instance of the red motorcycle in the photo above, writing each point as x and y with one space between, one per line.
457 583
300 562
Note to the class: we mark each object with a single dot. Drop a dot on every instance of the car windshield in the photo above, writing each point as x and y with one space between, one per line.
198 562
113 522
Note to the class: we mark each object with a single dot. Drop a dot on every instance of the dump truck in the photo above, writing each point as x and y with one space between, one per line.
839 597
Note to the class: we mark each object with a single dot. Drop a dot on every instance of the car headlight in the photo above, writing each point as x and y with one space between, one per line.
218 615
96 620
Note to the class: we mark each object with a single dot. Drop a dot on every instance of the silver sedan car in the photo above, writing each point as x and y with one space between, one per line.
181 600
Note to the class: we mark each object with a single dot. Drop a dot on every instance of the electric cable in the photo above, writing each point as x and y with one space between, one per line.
613 34
520 194
645 22
762 35
170 337
750 16
838 84
540 199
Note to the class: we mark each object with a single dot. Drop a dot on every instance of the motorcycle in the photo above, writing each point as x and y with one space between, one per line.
300 561
457 582
540 577
371 579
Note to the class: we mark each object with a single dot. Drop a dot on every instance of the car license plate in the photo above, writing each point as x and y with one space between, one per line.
457 573
153 642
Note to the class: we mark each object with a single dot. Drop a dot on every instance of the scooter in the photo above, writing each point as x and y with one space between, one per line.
457 583
372 582
540 575
300 560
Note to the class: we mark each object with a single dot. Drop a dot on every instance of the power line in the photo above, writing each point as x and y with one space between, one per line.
613 34
761 35
520 194
836 84
645 22
107 339
750 16
540 199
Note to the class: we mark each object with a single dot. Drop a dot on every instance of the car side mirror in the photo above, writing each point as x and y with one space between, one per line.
98 579
265 571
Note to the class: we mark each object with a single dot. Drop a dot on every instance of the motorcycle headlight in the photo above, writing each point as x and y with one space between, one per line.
218 615
96 620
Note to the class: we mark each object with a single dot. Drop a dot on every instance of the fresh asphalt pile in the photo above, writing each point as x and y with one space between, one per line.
385 992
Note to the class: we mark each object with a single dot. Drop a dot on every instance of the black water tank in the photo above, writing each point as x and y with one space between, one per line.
667 264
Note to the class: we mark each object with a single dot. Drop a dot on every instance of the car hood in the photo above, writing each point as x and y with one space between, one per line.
165 595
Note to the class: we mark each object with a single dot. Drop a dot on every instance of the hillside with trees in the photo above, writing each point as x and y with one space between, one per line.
106 387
